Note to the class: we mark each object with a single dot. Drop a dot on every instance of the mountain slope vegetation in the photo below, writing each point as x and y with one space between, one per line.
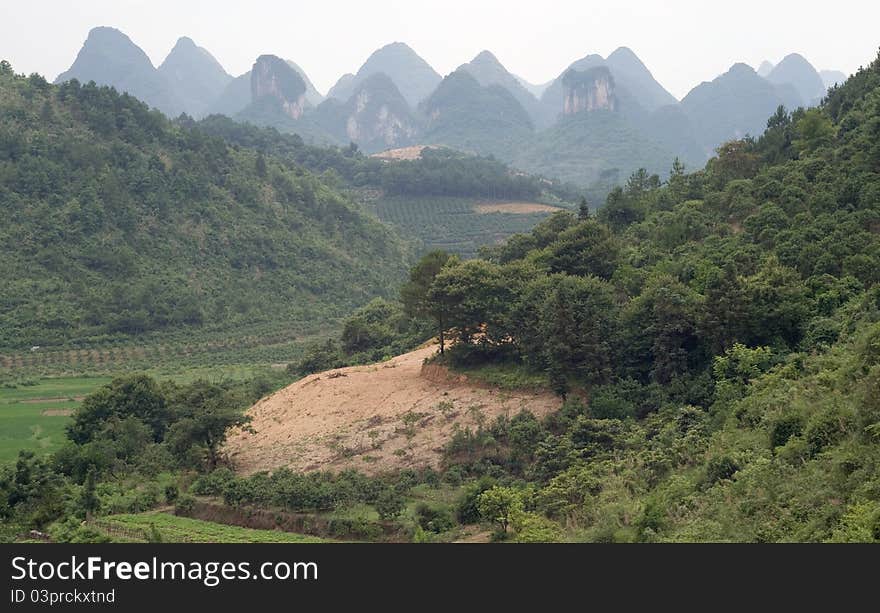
119 222
735 104
465 115
716 339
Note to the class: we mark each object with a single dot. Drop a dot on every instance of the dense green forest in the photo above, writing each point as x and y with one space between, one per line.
438 172
118 222
430 199
716 339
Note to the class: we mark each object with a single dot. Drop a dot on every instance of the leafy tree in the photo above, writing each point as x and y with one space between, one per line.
205 412
579 330
660 328
813 130
620 210
475 296
500 505
735 160
587 248
415 294
134 395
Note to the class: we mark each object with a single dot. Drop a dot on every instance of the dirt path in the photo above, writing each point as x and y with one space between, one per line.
374 418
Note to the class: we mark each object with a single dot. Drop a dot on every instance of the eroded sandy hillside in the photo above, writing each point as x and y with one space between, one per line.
374 418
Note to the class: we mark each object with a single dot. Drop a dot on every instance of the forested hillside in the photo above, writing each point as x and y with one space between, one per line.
119 222
717 340
435 199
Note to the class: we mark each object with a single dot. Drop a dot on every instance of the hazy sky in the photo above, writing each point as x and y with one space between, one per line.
682 42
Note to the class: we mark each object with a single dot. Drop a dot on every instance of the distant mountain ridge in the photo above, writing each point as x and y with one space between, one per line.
376 116
795 70
397 99
196 77
487 70
466 115
737 103
831 78
413 76
109 57
190 80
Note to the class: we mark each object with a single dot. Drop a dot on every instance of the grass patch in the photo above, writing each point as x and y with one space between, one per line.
507 376
24 422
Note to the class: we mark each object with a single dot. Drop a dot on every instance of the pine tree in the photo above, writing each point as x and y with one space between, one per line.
89 501
583 209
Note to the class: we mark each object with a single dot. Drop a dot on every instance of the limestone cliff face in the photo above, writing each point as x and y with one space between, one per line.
590 90
378 116
272 78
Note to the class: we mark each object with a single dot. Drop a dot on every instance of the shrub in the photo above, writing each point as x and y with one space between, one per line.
533 528
608 403
171 493
213 483
185 505
389 504
718 469
869 407
785 428
434 518
466 511
823 430
153 535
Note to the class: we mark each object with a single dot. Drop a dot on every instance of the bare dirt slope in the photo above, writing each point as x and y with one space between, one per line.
515 208
404 153
375 418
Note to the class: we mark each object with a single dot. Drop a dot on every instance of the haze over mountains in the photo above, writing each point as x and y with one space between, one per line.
597 121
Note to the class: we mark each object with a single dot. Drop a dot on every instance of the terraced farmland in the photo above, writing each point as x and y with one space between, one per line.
457 225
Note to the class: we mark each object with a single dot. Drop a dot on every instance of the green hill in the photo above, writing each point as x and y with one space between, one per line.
118 222
465 115
716 340
581 148
735 104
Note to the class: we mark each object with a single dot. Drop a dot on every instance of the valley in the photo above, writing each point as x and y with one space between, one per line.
437 308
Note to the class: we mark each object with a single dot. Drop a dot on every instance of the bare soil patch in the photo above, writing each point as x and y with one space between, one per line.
403 153
515 208
56 412
373 418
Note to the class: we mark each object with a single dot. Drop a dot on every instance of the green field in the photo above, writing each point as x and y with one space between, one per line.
174 529
34 413
31 416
